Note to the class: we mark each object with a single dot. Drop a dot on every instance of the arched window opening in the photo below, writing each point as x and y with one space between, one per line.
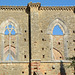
57 30
57 39
6 32
9 47
10 30
9 26
13 32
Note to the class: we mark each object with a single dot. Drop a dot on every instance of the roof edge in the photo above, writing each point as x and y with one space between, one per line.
39 7
12 7
57 8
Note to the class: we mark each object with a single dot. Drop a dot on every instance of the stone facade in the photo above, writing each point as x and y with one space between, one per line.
35 50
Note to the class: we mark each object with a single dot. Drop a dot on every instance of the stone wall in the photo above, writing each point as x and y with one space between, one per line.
21 19
35 42
14 68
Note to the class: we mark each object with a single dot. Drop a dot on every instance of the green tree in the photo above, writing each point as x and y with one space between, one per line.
72 63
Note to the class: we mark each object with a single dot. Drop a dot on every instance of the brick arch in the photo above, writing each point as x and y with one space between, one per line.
12 49
57 54
64 28
12 52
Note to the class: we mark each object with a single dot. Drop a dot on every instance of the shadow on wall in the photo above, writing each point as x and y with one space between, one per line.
34 73
62 69
37 73
74 10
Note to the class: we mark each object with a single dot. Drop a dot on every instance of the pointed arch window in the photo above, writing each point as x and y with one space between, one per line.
57 40
9 31
9 53
58 32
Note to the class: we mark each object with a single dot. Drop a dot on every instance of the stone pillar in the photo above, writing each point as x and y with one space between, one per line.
34 20
34 38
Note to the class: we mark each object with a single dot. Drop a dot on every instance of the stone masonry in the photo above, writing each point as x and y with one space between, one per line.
35 50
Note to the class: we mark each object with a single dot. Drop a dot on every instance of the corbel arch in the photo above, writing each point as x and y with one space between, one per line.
64 28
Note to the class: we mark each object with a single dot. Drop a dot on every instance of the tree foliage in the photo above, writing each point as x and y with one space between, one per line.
72 63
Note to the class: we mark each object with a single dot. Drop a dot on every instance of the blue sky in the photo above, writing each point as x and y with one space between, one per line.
57 30
43 2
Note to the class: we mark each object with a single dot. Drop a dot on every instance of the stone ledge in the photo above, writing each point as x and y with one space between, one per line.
58 61
35 59
14 62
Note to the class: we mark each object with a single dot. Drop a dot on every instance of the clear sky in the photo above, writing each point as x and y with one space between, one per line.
43 2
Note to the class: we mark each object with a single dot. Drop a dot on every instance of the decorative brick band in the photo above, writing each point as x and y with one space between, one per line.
39 7
13 7
57 8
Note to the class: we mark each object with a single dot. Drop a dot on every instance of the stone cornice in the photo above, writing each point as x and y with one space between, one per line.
57 8
13 7
38 5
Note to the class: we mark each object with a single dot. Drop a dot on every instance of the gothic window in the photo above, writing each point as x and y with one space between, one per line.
57 47
58 32
9 31
9 48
